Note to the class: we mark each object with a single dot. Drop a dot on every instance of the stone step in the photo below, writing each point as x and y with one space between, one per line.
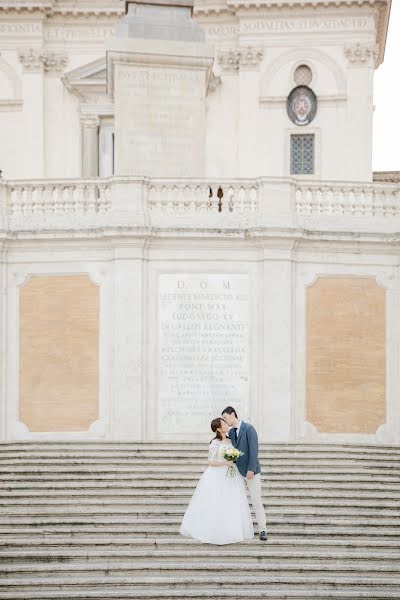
133 510
192 477
252 552
147 497
119 445
96 542
290 516
179 503
101 520
275 593
189 467
158 529
213 580
198 460
198 567
159 486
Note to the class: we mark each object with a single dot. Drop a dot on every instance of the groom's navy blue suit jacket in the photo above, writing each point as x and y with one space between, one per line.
248 444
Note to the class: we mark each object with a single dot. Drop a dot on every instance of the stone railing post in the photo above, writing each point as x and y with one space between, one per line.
276 202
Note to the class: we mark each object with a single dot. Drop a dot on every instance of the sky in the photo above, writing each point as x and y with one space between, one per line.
386 141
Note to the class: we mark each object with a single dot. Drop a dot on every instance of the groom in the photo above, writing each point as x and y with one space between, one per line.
244 437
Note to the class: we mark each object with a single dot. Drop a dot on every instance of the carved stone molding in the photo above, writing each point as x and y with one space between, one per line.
31 60
66 7
55 61
251 57
228 60
90 121
232 60
362 55
37 60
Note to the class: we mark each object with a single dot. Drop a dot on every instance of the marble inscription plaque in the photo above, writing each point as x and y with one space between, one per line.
307 25
159 121
203 349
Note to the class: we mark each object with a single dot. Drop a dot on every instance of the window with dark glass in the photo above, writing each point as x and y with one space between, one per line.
302 154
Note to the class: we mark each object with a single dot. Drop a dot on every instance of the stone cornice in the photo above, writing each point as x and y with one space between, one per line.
311 8
65 7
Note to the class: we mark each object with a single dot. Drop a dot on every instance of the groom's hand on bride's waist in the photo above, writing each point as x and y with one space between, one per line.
250 475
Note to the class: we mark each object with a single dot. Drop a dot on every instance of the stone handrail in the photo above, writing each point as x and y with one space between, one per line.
347 199
204 196
61 197
243 203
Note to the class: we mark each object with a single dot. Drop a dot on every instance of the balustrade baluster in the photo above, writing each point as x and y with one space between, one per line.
359 204
298 199
231 199
90 195
103 192
16 202
27 201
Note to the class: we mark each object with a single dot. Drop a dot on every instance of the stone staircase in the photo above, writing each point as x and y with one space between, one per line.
101 520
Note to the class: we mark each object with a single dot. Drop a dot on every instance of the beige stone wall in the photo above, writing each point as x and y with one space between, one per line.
59 353
346 355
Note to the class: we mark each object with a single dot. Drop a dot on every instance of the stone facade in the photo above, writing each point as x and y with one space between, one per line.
158 277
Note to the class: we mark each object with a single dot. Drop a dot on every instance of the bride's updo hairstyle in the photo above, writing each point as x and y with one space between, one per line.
215 424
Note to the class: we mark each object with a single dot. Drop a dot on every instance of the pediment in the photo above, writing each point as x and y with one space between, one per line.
88 79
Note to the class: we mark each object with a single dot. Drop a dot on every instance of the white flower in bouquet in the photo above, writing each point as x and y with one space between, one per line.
231 455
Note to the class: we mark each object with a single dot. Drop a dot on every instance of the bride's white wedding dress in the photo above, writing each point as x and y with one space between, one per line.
218 512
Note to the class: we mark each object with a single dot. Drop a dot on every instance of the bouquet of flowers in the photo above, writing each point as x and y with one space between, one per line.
231 455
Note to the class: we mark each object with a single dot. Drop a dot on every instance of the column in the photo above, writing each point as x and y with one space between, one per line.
90 145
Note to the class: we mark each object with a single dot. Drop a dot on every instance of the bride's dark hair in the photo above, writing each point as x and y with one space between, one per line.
215 424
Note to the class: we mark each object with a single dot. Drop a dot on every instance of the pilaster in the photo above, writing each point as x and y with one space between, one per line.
128 367
277 371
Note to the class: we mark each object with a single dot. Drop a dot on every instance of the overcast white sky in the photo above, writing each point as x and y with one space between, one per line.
386 148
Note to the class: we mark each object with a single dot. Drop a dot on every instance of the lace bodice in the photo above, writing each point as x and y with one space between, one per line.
217 450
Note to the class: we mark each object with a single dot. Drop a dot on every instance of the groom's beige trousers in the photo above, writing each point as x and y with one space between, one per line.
254 487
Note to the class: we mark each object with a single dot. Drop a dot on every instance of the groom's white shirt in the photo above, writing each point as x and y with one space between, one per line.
238 429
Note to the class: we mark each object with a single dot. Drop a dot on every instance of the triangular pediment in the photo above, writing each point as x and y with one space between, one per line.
91 77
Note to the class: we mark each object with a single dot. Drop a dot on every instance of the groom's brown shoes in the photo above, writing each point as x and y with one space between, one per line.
263 535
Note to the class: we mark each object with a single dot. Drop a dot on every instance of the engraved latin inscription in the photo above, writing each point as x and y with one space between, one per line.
307 25
203 348
159 120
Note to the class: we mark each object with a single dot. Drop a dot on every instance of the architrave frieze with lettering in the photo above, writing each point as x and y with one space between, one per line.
312 16
65 7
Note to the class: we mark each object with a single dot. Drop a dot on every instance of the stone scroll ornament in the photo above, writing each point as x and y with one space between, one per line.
302 105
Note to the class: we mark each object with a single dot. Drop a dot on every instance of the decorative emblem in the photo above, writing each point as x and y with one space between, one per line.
302 105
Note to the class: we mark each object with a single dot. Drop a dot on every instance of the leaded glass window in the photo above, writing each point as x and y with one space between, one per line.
302 154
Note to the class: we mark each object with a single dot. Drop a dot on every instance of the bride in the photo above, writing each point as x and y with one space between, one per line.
219 512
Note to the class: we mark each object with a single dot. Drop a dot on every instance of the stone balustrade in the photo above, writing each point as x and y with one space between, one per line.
68 197
197 203
347 199
204 196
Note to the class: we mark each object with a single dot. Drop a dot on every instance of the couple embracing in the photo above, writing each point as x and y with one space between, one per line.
219 512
